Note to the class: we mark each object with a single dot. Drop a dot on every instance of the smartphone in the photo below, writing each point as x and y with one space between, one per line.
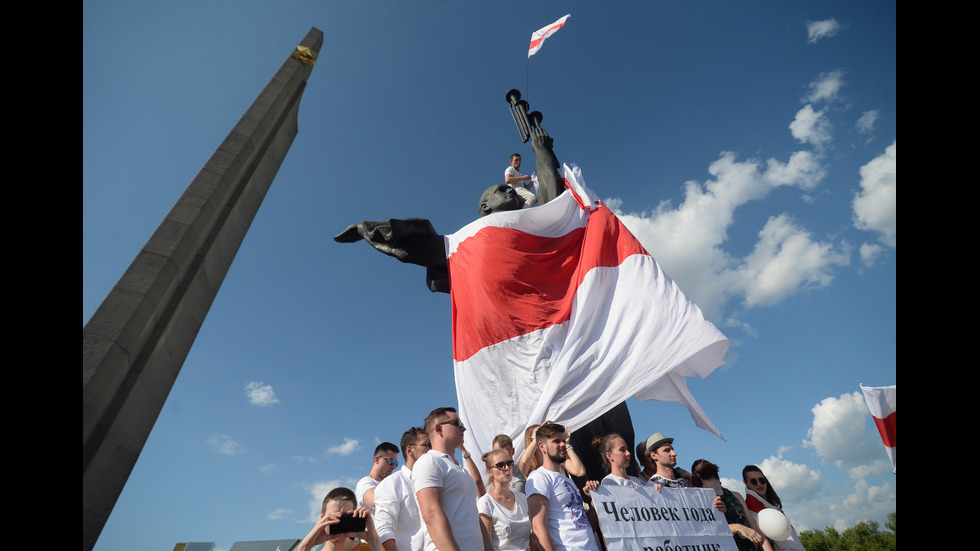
349 523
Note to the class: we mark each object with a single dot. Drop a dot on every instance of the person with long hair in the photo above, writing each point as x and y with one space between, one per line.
503 512
745 530
615 460
759 495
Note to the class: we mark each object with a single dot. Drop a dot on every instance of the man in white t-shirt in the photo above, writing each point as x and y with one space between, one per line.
554 504
396 515
522 183
445 491
385 461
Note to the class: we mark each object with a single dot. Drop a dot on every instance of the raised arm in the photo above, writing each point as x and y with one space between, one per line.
550 182
411 240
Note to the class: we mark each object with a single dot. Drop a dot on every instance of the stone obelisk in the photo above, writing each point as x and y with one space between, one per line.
135 343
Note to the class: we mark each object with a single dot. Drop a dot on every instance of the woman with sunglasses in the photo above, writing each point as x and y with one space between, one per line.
745 530
503 512
759 495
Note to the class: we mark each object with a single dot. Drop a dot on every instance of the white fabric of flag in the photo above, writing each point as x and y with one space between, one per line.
538 36
560 314
882 402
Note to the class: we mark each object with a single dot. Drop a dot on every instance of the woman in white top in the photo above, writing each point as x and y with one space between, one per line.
503 512
616 459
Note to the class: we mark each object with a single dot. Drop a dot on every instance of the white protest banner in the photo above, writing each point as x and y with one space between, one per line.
641 519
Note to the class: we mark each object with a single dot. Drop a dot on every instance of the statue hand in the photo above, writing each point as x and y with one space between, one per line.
353 233
540 138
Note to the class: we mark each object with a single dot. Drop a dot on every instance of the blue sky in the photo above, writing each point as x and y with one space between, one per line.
749 146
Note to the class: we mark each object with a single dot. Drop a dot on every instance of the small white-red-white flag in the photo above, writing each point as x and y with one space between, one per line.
537 38
881 402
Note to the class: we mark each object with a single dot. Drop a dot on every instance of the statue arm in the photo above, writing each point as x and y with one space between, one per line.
550 182
411 240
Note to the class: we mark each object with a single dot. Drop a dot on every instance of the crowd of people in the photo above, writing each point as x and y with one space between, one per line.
528 503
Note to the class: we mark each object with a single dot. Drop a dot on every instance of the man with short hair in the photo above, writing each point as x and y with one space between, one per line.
557 512
504 442
661 452
521 183
446 493
396 510
385 461
337 503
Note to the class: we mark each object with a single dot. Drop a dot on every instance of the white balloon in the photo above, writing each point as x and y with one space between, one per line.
774 524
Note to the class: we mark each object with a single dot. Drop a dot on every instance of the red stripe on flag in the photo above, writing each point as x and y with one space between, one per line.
547 33
754 504
886 427
514 283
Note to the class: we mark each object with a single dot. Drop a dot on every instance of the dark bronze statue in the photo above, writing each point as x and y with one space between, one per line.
415 241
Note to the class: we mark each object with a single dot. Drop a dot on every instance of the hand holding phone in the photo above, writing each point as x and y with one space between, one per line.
349 523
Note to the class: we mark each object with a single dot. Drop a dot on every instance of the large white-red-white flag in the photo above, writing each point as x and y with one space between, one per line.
559 313
881 402
538 36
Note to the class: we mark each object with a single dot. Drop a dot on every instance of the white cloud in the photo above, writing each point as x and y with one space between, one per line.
260 394
277 514
346 448
786 260
870 253
687 240
817 30
810 126
840 432
223 444
866 123
875 206
803 170
267 468
792 481
318 491
826 87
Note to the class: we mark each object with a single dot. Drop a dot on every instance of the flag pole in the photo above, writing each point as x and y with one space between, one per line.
527 69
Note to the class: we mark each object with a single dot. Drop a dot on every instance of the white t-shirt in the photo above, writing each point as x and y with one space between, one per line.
363 485
396 513
613 480
530 199
438 470
568 526
511 529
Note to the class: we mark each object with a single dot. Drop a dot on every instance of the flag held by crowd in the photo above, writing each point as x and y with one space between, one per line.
538 36
559 313
881 402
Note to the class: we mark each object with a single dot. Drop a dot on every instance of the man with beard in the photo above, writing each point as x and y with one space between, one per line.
558 518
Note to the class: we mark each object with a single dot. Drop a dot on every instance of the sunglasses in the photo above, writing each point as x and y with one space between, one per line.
425 444
505 464
392 462
760 480
455 422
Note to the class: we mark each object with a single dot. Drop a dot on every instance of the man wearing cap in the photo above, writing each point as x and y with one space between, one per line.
664 458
